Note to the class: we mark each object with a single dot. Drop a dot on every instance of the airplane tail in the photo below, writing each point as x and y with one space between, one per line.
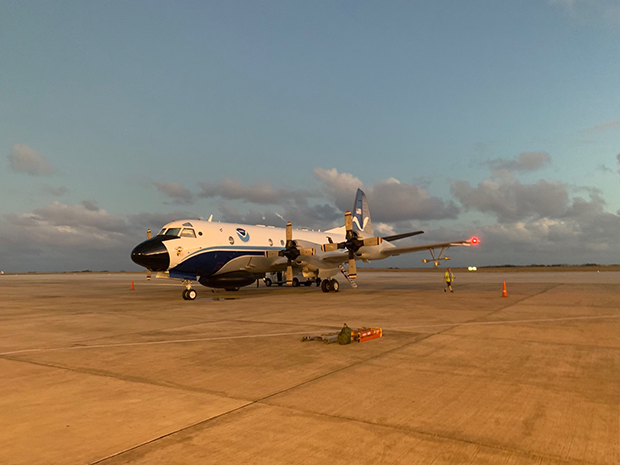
361 215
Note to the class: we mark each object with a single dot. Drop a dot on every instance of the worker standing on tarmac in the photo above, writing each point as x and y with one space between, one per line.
448 278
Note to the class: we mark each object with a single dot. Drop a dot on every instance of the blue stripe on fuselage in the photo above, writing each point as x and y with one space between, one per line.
206 262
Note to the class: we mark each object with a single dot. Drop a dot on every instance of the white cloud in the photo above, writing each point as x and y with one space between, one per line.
24 159
510 200
389 200
261 193
525 161
339 186
602 128
593 12
174 190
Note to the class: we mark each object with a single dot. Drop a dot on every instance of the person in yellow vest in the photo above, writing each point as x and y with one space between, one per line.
448 278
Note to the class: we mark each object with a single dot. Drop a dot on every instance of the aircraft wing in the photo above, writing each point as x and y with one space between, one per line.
393 251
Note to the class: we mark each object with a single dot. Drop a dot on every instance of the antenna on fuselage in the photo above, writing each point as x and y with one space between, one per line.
210 218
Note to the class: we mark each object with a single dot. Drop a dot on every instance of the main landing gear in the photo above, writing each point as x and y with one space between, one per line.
330 285
189 293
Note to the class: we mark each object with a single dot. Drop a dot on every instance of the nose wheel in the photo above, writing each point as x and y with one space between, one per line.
189 293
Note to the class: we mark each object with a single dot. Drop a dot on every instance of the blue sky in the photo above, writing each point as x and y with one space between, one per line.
500 119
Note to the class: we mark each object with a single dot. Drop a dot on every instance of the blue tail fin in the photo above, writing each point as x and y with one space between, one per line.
361 215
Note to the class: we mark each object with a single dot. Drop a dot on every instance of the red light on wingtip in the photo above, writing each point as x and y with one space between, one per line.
474 240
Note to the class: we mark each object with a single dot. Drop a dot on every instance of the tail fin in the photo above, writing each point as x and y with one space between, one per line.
361 215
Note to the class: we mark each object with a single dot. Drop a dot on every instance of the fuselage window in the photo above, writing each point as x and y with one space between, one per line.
231 240
173 232
270 243
281 242
187 232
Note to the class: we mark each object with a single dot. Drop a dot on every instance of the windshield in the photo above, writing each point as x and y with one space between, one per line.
173 232
187 232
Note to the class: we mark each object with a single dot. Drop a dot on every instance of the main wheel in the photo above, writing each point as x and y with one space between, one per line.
267 282
295 282
184 294
334 285
325 285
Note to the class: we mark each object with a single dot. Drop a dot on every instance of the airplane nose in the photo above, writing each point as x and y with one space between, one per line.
152 255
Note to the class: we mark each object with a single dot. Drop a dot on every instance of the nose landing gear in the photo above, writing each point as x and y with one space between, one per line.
189 293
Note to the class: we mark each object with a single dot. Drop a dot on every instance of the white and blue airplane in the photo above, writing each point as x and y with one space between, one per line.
229 255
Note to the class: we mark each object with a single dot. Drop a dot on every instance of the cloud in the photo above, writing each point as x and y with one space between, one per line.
525 161
321 216
261 193
24 159
389 200
339 186
55 191
513 201
179 194
70 237
591 11
602 128
82 226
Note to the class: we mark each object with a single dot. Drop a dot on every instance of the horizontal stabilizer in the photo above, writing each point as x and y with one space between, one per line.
396 237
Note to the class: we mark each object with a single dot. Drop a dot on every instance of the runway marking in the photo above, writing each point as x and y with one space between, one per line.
252 336
129 344
536 320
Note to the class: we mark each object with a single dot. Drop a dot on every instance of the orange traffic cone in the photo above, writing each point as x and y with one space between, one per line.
132 288
504 292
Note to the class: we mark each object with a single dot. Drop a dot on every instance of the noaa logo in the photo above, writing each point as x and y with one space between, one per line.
243 235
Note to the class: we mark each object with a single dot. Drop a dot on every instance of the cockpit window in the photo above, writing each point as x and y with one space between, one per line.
173 232
188 232
162 232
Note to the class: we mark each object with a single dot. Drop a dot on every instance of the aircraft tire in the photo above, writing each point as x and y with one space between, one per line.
325 285
295 282
334 285
185 294
191 294
267 282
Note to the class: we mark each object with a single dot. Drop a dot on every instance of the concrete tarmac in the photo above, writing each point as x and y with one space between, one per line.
94 372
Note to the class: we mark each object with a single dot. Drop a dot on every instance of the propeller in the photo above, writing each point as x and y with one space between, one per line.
148 272
291 251
352 243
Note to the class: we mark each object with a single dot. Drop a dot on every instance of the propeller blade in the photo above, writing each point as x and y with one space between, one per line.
348 221
307 252
329 247
289 232
148 233
369 241
289 274
352 268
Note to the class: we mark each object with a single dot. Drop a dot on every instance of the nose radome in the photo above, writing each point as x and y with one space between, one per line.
152 255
